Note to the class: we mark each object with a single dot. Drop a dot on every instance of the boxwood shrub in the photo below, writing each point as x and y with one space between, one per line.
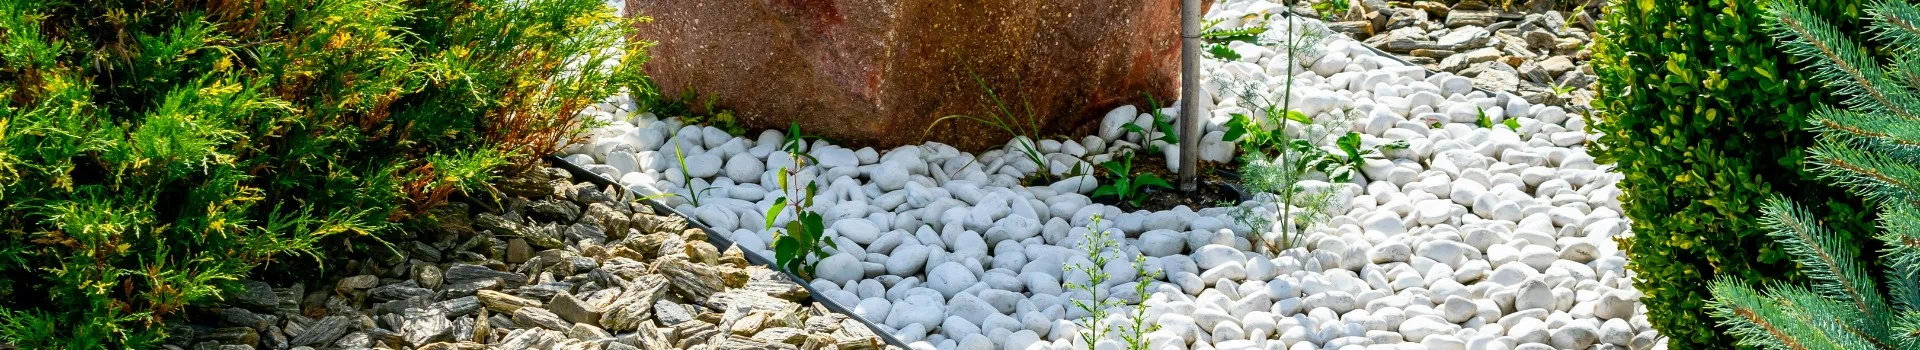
1705 116
154 153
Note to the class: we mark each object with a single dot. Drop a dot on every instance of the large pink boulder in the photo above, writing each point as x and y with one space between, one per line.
879 72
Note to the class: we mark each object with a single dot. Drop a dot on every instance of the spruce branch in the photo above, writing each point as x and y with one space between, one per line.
1909 330
1871 149
1867 127
1832 321
1906 70
1821 255
1899 24
1877 176
1756 318
1900 232
1840 62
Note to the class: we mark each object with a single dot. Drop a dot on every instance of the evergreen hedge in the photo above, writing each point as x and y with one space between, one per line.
154 152
1706 117
1868 148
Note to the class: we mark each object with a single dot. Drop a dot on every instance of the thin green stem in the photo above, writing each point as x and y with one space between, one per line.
1286 152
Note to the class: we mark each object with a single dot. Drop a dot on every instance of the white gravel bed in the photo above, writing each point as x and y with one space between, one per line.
1470 238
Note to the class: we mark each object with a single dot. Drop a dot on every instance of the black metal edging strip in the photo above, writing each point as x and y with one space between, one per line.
721 241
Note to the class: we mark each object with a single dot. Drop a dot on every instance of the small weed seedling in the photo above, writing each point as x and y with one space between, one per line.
1484 122
1125 189
1331 9
682 107
1342 169
1011 123
1161 122
799 247
1275 160
722 119
1135 333
1254 135
1573 16
1217 39
1487 122
1096 242
693 195
1562 90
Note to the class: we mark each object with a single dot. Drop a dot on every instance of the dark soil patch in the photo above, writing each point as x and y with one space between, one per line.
1216 187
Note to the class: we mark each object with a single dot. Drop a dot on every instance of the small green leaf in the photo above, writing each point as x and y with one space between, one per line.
1150 180
807 197
1108 190
1115 167
1299 117
1342 174
783 180
1325 165
1512 123
779 204
1349 142
1483 122
793 228
1302 145
813 224
785 248
1221 52
1236 128
1248 34
1164 123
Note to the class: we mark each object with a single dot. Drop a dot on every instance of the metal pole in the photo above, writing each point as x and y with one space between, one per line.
1190 95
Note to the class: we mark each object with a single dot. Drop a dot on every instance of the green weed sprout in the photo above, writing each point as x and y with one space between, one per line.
1012 124
800 246
1127 189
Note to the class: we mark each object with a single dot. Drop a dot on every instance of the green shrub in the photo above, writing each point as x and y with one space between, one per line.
152 153
1705 116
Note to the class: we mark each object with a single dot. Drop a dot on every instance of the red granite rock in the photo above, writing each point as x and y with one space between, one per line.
879 72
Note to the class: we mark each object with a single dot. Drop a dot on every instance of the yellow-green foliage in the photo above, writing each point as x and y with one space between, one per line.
1705 115
154 152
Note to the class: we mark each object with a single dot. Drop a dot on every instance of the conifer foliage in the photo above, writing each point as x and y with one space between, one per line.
154 152
1872 147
